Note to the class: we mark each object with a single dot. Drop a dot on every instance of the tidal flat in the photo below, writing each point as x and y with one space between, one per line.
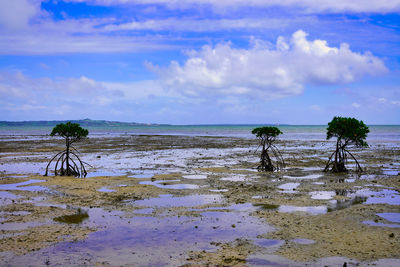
159 200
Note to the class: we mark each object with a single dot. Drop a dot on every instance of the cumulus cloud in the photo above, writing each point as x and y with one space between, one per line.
307 5
267 72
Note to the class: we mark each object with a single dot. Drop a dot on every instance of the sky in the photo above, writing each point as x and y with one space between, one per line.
200 61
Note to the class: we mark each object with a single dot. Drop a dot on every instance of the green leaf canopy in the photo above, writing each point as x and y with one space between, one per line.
72 131
348 130
266 131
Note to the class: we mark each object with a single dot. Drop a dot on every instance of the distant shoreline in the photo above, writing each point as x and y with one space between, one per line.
85 122
105 123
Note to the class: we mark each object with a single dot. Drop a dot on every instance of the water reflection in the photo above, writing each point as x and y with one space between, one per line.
153 241
265 206
390 216
185 201
169 185
345 203
313 210
77 218
289 187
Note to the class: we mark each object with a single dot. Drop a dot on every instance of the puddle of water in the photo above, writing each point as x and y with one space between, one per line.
167 185
262 242
106 190
77 218
22 187
346 203
7 197
306 177
144 211
313 210
390 172
390 216
303 241
142 176
311 168
255 261
195 176
150 241
23 167
366 196
372 223
17 226
386 196
186 201
319 183
265 206
323 195
368 177
102 173
236 178
218 190
289 187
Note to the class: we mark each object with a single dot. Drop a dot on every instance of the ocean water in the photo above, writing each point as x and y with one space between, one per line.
290 132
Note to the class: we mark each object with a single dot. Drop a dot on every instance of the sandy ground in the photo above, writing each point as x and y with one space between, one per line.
197 201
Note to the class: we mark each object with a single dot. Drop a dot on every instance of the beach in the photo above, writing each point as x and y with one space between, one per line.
190 199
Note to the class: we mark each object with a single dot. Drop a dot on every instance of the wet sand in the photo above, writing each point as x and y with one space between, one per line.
179 200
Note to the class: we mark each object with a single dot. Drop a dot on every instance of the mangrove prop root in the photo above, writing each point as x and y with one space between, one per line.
338 159
266 162
70 164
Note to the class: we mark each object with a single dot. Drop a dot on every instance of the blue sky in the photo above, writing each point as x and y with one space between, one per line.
200 61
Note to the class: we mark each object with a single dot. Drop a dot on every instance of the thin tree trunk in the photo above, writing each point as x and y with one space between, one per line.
67 156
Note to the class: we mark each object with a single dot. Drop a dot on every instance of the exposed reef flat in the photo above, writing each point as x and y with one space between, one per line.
181 200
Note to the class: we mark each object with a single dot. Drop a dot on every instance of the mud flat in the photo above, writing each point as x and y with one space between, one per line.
181 200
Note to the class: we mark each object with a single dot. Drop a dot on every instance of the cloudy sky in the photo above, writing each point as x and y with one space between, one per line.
200 61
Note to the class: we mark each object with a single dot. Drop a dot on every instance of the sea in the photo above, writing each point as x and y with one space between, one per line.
290 132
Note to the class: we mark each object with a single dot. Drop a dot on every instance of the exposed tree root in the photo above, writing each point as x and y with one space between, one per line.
68 164
266 162
338 160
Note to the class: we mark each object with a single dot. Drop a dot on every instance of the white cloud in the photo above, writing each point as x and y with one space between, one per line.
308 5
267 73
356 105
199 25
26 91
16 14
397 103
59 43
82 95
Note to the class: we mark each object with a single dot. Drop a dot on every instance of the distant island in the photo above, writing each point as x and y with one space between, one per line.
85 122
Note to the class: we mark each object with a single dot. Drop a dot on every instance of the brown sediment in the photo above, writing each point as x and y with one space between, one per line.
337 233
232 254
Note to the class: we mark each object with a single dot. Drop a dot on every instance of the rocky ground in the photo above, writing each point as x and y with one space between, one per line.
176 200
